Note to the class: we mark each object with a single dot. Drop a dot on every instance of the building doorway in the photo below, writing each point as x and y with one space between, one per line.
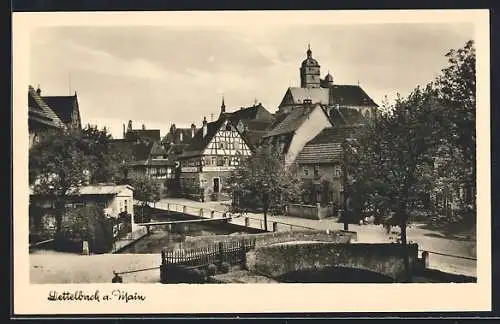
216 185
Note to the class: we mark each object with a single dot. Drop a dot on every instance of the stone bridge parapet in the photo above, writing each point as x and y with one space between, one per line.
386 259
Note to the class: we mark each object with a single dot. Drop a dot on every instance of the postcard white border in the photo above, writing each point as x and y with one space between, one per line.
30 299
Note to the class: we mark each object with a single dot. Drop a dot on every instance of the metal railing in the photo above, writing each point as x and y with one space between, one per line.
195 211
449 255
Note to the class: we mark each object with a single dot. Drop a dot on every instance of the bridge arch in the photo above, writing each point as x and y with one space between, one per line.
293 258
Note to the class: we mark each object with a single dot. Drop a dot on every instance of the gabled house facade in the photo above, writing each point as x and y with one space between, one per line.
213 153
320 164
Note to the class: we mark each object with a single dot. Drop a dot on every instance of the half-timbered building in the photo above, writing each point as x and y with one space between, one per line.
215 150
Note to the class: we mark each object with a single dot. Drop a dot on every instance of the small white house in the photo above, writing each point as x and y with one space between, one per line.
114 199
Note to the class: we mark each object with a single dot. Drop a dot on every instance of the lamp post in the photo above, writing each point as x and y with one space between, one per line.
344 186
265 201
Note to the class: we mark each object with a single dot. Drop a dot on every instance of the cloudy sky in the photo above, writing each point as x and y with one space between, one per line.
162 75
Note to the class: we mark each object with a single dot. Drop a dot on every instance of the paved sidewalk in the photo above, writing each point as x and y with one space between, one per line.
427 240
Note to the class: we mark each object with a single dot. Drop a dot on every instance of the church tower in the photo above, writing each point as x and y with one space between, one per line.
309 72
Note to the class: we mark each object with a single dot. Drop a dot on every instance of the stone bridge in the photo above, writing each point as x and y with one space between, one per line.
283 260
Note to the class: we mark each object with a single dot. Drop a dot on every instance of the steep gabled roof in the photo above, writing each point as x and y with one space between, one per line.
141 150
349 95
39 111
63 106
257 112
174 135
200 142
149 134
296 96
346 116
291 121
157 149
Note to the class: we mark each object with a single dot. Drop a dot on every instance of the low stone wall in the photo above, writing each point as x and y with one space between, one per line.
264 239
310 211
281 259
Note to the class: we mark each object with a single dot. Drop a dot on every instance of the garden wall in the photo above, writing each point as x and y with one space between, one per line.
310 211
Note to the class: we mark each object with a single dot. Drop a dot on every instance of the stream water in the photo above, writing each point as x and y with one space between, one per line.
172 236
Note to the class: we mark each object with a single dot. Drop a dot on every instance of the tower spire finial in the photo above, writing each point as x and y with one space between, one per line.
309 52
222 106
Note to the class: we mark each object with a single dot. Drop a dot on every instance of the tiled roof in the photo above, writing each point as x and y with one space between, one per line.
160 162
343 95
39 111
349 95
63 106
174 135
254 137
345 115
292 121
337 134
250 113
320 153
149 134
326 147
141 150
157 149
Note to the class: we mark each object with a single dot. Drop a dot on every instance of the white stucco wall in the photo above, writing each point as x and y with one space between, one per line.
312 126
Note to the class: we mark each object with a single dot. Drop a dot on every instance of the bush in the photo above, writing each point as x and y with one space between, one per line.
87 224
224 267
212 269
199 276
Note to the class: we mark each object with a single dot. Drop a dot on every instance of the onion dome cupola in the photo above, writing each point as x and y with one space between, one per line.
329 79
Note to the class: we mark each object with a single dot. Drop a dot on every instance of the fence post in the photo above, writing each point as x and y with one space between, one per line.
184 209
318 210
212 214
275 226
168 207
247 222
243 253
163 268
221 252
116 278
85 248
201 212
425 259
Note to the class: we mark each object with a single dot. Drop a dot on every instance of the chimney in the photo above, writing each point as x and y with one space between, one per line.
193 130
143 127
123 130
204 126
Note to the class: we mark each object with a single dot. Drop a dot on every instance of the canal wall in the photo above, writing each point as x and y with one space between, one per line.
129 239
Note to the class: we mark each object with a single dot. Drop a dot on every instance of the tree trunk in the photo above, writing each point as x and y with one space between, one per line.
266 203
406 257
59 212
